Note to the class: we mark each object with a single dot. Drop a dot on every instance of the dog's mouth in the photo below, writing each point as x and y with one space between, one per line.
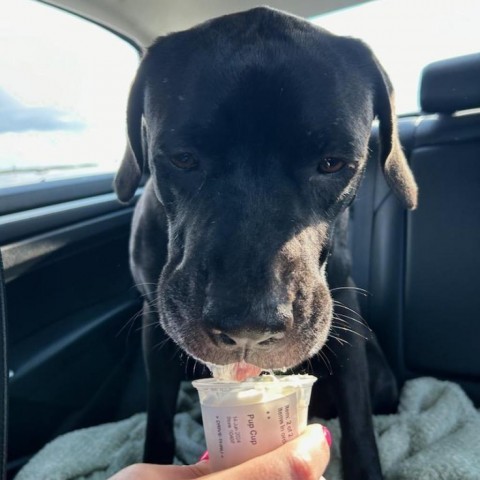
236 362
247 353
238 371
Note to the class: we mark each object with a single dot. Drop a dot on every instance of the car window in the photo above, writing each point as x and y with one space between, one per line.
63 88
406 35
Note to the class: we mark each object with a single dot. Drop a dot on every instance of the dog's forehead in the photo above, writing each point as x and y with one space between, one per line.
245 82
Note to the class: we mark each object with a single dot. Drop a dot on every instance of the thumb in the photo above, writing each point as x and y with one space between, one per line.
304 458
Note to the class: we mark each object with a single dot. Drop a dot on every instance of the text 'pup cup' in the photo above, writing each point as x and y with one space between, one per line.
243 420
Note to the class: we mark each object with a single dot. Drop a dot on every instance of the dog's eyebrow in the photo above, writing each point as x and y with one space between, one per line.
336 134
336 146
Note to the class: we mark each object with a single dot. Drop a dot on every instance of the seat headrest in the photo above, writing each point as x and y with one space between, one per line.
451 85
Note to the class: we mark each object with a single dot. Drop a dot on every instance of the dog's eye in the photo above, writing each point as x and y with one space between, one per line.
330 165
184 160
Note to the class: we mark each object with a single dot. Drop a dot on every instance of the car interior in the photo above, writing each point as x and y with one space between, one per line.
72 310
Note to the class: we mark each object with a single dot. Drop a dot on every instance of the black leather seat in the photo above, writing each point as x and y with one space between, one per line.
422 269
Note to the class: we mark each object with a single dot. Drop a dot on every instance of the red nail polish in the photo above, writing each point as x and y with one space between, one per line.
328 435
205 456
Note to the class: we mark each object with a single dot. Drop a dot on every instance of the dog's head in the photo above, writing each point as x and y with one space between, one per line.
255 128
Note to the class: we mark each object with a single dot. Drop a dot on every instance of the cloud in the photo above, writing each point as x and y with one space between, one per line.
17 117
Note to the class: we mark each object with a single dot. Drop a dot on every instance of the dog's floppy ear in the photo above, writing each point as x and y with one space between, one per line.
394 164
130 172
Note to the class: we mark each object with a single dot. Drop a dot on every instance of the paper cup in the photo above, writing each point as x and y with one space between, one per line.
245 419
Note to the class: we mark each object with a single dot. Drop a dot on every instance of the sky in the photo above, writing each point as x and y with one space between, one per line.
64 82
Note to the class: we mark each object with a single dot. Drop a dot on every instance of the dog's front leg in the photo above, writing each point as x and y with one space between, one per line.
164 373
350 385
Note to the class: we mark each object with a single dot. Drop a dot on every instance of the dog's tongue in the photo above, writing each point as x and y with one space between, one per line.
239 371
243 370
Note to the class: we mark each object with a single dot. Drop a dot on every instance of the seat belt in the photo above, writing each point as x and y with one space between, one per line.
4 376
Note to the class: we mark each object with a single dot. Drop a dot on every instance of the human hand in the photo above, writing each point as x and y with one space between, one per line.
304 458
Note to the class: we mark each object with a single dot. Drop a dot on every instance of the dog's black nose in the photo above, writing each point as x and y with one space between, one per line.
247 338
236 323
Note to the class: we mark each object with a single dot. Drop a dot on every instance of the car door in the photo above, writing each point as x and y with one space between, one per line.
72 308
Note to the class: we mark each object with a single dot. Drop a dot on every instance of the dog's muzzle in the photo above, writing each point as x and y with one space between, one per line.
268 304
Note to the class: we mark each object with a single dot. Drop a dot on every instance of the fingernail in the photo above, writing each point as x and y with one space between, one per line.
328 436
205 456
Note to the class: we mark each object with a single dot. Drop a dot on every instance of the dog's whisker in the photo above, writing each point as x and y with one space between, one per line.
341 321
158 346
148 325
129 323
154 309
346 319
326 361
151 303
330 349
144 284
340 339
356 289
310 366
162 344
176 352
340 304
349 330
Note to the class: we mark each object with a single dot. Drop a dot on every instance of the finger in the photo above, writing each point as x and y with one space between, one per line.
304 458
146 471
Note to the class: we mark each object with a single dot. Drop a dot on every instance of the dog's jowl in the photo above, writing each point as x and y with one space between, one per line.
255 130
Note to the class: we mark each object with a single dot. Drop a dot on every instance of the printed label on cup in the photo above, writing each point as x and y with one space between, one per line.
236 434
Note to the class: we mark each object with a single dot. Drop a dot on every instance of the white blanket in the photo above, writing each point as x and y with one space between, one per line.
434 436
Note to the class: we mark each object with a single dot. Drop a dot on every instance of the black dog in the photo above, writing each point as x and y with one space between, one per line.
255 128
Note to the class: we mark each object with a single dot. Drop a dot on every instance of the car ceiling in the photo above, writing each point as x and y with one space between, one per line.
144 20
